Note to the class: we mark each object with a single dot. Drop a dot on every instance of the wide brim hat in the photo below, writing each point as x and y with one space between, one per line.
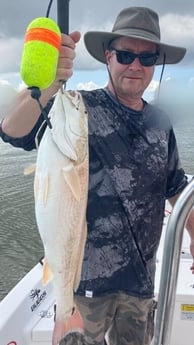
134 22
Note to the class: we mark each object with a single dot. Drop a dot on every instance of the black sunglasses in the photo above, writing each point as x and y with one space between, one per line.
125 58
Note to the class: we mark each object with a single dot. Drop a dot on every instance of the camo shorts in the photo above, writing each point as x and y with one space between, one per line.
118 318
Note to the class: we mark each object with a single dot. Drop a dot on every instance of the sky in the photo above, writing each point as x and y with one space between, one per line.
176 23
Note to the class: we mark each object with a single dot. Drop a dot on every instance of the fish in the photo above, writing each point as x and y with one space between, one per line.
60 193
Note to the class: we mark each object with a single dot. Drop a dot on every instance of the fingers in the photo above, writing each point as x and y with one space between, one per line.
75 36
65 63
71 39
67 55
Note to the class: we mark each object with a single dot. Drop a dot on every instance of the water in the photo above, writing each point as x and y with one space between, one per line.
20 244
185 140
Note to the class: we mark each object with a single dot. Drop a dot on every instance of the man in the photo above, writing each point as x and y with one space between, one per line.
134 166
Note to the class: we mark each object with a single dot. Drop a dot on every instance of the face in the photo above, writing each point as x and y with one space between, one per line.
131 80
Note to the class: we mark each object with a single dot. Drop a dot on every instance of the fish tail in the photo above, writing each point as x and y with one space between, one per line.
72 325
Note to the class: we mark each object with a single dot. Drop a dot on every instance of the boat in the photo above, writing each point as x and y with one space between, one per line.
27 312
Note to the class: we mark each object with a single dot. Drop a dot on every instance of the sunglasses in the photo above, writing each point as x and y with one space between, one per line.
126 58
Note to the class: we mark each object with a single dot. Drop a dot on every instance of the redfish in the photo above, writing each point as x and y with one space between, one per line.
60 190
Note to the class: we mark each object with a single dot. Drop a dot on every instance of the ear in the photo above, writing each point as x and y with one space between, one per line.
108 56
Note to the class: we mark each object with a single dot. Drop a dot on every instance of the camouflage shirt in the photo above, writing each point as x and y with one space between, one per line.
134 166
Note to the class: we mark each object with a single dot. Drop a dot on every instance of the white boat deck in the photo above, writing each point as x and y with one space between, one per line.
32 323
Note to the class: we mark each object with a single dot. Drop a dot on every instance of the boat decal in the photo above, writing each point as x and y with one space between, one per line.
187 312
34 293
45 314
13 342
37 296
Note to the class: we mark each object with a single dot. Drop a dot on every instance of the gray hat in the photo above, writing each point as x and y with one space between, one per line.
133 22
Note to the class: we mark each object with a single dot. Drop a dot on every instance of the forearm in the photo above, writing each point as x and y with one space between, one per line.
190 221
190 228
24 112
190 225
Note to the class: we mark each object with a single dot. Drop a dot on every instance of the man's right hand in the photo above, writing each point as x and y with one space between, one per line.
66 56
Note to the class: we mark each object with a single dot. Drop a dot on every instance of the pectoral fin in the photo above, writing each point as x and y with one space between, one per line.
41 188
72 179
47 274
45 189
30 169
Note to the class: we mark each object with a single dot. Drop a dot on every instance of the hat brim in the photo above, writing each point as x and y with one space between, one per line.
97 42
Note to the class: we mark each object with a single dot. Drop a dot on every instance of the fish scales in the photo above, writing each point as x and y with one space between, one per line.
60 189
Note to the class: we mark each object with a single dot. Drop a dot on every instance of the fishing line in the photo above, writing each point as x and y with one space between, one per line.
161 75
49 8
35 94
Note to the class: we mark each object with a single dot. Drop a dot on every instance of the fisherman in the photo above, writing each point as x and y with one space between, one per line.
134 167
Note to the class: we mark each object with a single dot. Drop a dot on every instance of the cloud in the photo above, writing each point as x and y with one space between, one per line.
7 91
176 21
153 86
179 30
87 86
10 54
84 61
7 94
